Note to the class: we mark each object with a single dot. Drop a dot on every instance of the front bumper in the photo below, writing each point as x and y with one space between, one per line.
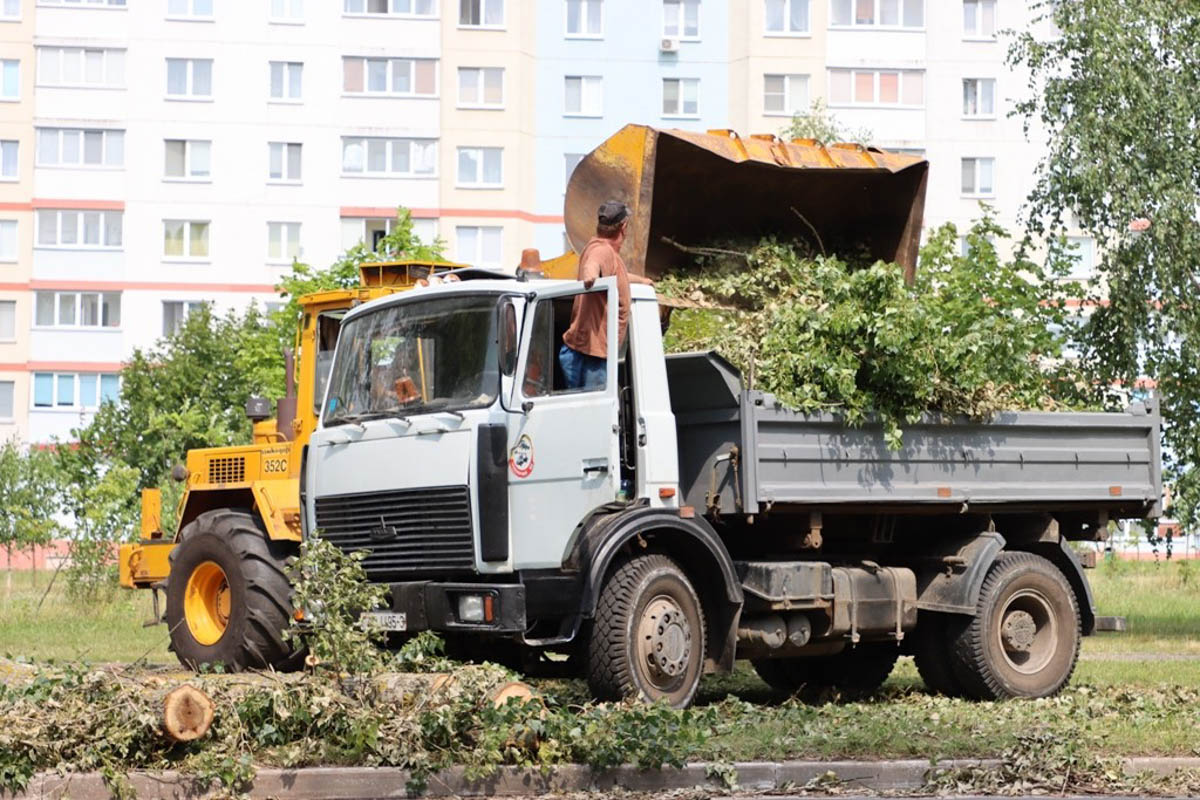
431 606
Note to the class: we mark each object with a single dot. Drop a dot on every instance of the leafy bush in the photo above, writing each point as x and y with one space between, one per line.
971 335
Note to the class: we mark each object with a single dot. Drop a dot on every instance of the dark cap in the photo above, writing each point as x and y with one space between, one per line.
612 213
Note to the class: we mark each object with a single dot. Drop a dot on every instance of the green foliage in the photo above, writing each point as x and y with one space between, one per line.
330 587
1114 89
820 124
29 487
970 336
103 515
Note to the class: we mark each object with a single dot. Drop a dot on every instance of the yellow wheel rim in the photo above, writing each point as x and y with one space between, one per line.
206 603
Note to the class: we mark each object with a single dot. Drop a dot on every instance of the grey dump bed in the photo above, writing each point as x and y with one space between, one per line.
743 452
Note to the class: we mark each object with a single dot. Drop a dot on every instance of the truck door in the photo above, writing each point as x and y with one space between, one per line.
563 449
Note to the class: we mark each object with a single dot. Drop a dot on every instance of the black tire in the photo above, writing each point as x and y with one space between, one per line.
259 595
1024 638
854 673
932 643
642 593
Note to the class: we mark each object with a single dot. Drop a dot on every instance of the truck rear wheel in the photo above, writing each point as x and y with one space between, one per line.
647 639
1024 638
854 672
228 597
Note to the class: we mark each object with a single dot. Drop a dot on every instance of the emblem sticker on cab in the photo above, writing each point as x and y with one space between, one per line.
520 458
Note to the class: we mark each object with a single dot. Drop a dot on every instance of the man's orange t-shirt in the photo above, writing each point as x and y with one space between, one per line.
589 326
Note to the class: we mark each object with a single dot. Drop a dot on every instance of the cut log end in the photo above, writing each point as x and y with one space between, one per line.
522 692
187 714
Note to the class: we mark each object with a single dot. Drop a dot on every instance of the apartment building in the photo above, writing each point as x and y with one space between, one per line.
160 154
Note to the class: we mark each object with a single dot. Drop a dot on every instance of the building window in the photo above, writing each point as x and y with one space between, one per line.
190 9
176 312
185 238
681 97
189 78
481 13
478 245
414 8
283 161
8 240
188 159
6 400
287 11
371 230
878 13
785 95
585 96
413 157
395 77
877 87
10 79
74 147
979 97
91 230
481 87
570 162
10 9
77 309
979 19
480 167
585 18
286 79
681 19
8 322
1081 250
283 241
787 17
9 164
977 177
79 67
74 390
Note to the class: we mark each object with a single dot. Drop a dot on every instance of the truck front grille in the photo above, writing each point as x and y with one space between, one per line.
231 469
410 532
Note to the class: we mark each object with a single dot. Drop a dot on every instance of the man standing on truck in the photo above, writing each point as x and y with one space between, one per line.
584 352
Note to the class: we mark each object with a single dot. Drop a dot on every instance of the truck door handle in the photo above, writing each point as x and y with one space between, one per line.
599 469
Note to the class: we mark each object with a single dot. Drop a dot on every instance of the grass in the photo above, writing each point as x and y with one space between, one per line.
1133 694
107 628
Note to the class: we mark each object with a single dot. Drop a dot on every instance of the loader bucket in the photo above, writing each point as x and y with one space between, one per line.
697 188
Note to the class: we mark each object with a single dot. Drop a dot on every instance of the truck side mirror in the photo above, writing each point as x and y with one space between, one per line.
508 338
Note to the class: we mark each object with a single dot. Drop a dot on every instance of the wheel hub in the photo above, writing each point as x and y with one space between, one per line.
1018 631
1028 631
665 638
207 603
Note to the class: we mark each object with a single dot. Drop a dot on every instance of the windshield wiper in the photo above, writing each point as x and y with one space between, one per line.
367 416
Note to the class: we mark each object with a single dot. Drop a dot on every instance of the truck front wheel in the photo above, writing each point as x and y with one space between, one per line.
1024 638
647 638
228 597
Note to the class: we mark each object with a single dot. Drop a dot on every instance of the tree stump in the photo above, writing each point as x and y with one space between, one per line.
187 714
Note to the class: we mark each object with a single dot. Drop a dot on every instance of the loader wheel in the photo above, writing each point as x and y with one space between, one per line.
933 641
1024 638
228 598
647 639
853 673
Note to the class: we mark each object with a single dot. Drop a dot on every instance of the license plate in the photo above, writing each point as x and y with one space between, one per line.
384 620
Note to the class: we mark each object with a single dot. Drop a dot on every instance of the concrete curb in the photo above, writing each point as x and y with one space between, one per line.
383 783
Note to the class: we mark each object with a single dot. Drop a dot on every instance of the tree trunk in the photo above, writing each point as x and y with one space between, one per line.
187 713
8 576
33 564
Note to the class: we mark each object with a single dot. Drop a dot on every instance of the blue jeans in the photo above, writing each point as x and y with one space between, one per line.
582 371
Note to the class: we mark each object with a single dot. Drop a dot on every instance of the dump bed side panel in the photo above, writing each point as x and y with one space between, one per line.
744 452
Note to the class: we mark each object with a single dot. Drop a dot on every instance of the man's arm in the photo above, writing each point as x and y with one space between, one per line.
642 279
589 269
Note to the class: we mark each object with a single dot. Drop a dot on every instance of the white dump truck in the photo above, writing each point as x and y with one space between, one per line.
674 520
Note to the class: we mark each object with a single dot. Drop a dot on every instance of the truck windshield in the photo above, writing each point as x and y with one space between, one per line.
412 358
